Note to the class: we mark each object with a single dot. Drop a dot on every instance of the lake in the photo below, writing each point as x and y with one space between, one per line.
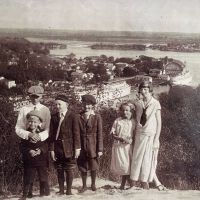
82 49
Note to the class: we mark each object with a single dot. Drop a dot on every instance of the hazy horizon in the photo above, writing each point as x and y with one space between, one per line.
2 29
93 30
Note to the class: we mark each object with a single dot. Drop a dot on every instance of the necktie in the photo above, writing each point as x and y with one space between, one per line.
60 122
34 108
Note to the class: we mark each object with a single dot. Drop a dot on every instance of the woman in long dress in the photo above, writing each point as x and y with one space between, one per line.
145 152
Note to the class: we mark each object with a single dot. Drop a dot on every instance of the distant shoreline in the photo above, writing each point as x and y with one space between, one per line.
101 36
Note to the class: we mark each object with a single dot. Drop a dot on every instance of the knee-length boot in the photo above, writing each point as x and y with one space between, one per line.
84 179
93 180
61 180
70 176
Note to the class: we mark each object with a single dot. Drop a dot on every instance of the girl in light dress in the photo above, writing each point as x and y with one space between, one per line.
122 132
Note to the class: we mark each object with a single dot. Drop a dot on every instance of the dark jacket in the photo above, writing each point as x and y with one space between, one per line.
39 160
91 135
69 134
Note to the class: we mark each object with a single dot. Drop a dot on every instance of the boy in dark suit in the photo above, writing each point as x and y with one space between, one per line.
35 157
90 125
64 143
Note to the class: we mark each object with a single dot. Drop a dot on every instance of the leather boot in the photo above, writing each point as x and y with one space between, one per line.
41 189
93 180
84 179
22 198
30 191
44 189
70 176
61 180
25 192
131 182
123 183
145 185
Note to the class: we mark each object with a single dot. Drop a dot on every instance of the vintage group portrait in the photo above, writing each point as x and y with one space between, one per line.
99 99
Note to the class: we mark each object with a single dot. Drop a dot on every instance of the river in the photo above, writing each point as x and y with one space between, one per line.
82 49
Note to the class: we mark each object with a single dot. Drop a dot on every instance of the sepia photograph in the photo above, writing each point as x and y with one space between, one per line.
99 99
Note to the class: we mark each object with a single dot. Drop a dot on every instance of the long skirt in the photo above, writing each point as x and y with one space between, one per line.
121 158
144 159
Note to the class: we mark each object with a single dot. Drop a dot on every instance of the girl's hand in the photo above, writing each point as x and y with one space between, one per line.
127 140
116 137
33 153
38 151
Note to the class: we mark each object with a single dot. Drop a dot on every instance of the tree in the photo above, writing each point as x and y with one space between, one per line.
118 71
100 73
129 71
111 59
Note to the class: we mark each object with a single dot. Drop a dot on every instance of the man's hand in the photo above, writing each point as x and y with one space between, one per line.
77 153
100 154
53 157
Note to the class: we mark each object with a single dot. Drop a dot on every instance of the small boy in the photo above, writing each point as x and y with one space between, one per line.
90 126
35 157
64 143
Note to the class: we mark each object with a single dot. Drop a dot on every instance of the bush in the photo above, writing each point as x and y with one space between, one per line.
180 138
11 165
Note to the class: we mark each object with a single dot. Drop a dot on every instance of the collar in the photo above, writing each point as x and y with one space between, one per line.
148 103
92 112
124 118
89 113
38 105
63 113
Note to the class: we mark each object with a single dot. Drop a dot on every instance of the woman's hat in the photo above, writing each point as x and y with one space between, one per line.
35 113
89 99
146 84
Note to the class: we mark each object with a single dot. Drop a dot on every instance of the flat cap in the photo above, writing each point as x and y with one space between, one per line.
62 97
87 98
36 90
35 113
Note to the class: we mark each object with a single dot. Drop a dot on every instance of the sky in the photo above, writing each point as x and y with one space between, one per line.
105 15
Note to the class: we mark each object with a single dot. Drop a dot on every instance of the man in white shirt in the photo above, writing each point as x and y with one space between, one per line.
35 94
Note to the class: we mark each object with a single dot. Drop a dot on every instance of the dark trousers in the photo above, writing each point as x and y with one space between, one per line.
65 167
29 175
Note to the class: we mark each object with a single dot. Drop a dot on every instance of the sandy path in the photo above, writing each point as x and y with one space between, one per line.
107 191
